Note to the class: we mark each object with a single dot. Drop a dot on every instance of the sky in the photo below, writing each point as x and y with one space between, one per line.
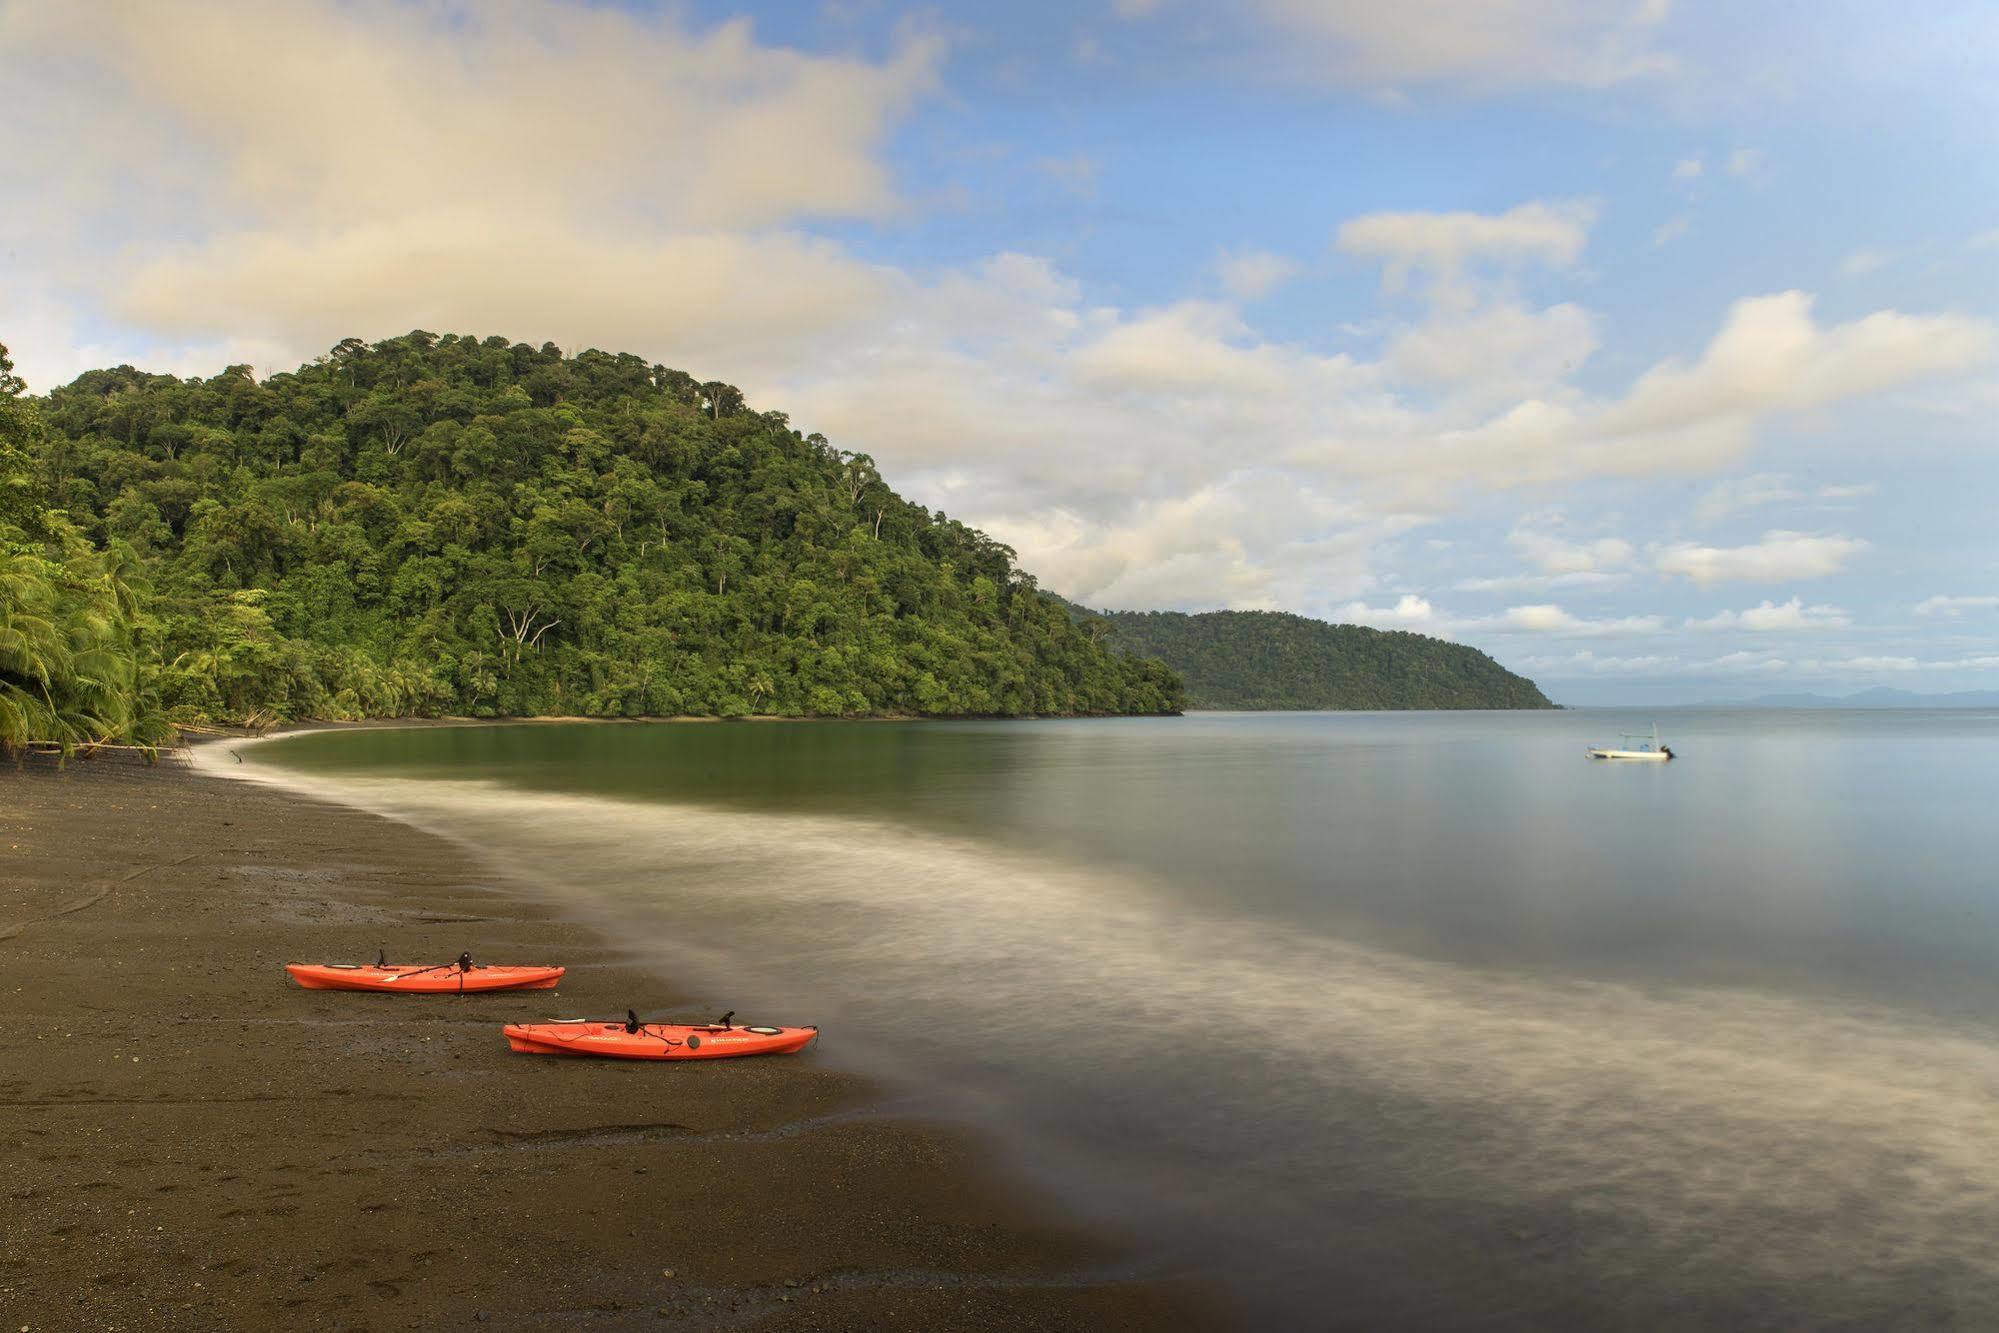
1652 347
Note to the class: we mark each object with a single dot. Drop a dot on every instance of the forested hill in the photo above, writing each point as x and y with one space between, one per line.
1270 659
455 525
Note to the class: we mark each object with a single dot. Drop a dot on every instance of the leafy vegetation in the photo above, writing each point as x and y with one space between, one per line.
452 525
1271 659
70 642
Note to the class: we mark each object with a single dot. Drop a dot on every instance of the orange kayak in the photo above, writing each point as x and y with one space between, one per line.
632 1040
443 978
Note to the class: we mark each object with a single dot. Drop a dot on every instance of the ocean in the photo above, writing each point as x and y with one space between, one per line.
1373 1018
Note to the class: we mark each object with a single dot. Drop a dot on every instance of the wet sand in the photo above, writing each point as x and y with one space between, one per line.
194 1142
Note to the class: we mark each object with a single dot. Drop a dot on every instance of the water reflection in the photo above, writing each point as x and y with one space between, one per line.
1848 852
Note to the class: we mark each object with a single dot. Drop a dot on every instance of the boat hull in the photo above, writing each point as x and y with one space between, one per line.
444 979
1646 756
656 1041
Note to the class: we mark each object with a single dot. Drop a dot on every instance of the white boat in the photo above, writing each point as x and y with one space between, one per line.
1637 746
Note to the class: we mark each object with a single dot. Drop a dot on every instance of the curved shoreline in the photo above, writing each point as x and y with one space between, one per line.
206 1145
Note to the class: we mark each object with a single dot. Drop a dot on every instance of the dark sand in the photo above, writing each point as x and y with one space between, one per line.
193 1142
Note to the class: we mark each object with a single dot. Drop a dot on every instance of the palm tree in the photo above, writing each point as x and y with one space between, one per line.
33 654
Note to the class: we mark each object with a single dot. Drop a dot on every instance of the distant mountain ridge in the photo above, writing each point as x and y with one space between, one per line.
1268 660
1880 696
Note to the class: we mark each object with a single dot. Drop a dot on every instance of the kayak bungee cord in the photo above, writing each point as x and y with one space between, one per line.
463 963
634 1028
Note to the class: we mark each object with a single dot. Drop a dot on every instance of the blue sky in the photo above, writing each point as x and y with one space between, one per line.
1649 346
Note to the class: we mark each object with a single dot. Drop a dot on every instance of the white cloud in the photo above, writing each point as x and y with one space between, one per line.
1553 620
1502 351
1477 346
1748 664
1672 229
1077 173
1416 613
354 114
1552 555
1972 400
1745 162
1561 562
1196 347
714 299
1584 660
1779 557
1537 582
1443 243
1769 356
1410 612
1249 275
1870 664
1688 168
1472 43
294 172
1770 617
1874 665
1249 540
1862 262
50 349
1740 493
1955 606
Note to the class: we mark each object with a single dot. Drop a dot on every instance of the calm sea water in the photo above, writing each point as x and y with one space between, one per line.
1412 1018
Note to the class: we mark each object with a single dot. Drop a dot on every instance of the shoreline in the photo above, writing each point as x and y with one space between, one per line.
203 1144
204 733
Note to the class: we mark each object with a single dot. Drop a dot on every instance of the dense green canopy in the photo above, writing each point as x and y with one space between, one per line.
435 525
1271 659
70 641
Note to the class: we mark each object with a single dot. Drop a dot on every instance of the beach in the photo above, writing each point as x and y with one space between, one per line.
196 1142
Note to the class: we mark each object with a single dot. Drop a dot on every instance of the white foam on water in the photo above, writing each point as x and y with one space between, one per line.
1795 1138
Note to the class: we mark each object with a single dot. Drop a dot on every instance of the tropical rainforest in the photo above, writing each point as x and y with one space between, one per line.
455 525
1271 659
73 659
